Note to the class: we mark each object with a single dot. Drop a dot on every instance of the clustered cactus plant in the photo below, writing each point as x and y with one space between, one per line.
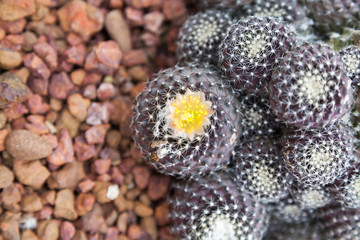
257 122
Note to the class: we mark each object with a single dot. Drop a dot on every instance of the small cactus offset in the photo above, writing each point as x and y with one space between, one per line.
200 36
311 198
250 51
187 122
351 59
317 157
213 209
310 87
259 170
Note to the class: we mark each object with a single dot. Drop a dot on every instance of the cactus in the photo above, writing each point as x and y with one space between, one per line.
201 34
351 59
187 122
310 87
227 4
317 157
259 170
258 117
333 14
213 208
310 198
250 51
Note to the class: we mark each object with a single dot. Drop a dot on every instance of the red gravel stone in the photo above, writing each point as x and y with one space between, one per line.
86 185
11 10
64 153
78 106
83 150
67 177
36 105
105 91
173 9
60 86
76 54
143 3
84 203
36 66
94 220
47 53
36 124
158 187
102 165
96 134
134 17
39 85
141 176
127 165
67 230
3 135
13 27
134 57
15 111
154 21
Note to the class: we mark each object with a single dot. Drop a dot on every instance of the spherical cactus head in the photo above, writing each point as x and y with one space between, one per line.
310 87
201 35
317 157
351 59
224 4
310 198
187 122
213 208
260 171
250 51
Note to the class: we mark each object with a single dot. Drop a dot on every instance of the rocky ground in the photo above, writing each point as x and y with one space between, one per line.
69 73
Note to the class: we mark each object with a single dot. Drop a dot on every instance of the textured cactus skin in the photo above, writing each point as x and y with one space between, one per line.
224 3
258 117
316 157
185 157
196 201
201 35
339 223
346 188
260 171
288 10
351 59
310 198
310 87
250 51
333 14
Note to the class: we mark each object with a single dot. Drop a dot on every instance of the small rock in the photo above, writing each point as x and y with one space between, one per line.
94 220
10 197
13 27
134 231
144 4
3 135
78 76
39 85
162 214
97 114
134 57
154 21
86 185
96 134
134 17
118 29
89 91
158 187
112 233
68 176
67 230
76 54
65 205
47 53
149 225
9 59
100 191
48 230
36 66
78 106
173 9
6 177
113 192
30 39
102 165
2 121
48 197
12 89
138 73
31 203
105 91
142 210
36 124
141 176
113 138
31 173
81 17
84 203
68 121
36 104
9 225
122 222
83 150
25 145
28 235
64 153
60 86
11 10
15 111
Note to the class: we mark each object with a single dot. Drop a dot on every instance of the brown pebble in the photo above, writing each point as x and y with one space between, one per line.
47 53
134 16
13 27
65 205
144 3
9 59
118 29
3 134
68 121
31 173
149 225
6 177
113 138
105 91
83 150
28 235
67 230
2 120
96 134
31 203
94 220
84 203
12 90
78 76
48 230
142 210
9 225
161 214
30 39
25 145
81 17
134 57
37 66
67 177
78 106
11 10
134 231
158 187
36 104
173 9
154 21
76 54
60 86
102 165
48 197
100 191
86 185
64 153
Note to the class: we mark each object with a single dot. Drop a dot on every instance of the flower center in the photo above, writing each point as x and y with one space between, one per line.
188 114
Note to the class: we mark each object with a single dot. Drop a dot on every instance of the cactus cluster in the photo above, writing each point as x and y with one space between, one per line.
257 123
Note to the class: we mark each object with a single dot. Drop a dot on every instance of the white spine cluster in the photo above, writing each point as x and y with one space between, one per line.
351 59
